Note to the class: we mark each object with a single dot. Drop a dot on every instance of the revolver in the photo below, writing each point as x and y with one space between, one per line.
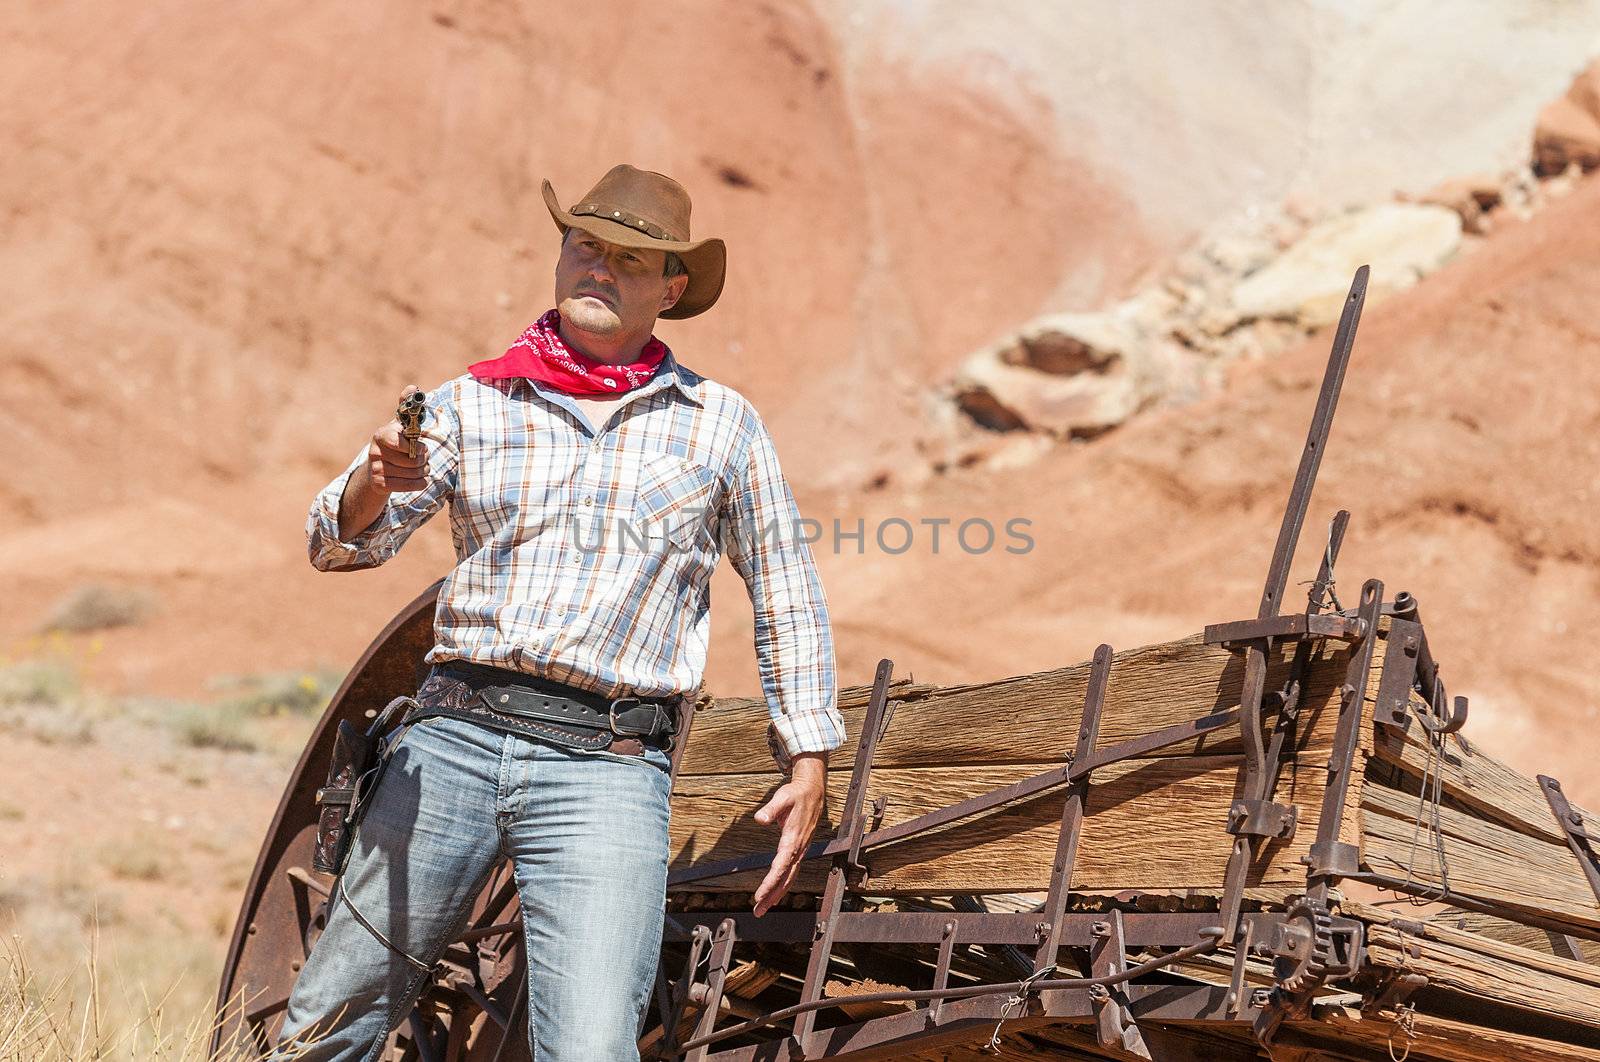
410 417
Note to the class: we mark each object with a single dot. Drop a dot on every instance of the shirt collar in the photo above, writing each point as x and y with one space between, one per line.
687 381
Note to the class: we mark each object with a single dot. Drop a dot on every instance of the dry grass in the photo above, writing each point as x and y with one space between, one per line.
95 607
126 928
86 1015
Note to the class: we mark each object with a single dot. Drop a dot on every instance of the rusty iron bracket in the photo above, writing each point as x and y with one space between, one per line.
1114 1024
1296 626
1262 818
678 1003
1072 812
941 971
1579 839
1288 707
1409 665
716 974
847 863
1407 646
1331 858
1241 958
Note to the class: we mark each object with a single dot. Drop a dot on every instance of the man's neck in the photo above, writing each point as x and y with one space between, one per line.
619 349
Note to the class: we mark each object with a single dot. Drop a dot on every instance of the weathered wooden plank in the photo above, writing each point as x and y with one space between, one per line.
728 735
1486 861
1434 1037
1473 778
1158 823
1481 966
1551 943
1034 718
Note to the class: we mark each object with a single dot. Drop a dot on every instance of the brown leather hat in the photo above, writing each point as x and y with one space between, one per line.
642 208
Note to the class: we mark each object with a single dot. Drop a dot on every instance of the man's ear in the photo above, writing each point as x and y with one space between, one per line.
675 286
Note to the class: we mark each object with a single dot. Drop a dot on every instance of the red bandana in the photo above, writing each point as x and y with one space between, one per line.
541 354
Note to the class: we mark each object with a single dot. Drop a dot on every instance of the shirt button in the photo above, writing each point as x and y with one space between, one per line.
588 499
576 559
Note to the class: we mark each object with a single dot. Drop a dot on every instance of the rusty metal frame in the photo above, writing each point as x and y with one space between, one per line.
1261 817
1570 821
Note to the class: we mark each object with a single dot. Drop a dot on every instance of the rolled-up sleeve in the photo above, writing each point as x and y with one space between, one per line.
403 512
793 636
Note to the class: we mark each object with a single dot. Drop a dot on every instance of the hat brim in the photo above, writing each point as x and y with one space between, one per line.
706 260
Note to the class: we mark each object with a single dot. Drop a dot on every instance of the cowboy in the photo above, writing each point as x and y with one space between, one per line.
543 728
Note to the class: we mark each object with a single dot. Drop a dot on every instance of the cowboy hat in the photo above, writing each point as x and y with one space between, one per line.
642 208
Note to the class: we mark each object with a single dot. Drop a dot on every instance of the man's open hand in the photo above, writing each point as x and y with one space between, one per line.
796 807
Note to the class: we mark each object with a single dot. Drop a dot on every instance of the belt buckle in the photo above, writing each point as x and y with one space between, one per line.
611 715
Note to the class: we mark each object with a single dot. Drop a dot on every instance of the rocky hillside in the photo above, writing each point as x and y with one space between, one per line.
235 230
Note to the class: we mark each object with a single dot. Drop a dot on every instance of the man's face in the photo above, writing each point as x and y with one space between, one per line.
606 288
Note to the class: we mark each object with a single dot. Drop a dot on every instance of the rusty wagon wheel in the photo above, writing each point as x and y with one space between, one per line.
473 1010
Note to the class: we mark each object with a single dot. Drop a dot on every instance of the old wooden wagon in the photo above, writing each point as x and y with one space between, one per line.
1272 839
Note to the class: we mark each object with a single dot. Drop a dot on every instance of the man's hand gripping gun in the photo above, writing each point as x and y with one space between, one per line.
410 417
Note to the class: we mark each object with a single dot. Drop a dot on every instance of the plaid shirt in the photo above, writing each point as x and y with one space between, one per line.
587 558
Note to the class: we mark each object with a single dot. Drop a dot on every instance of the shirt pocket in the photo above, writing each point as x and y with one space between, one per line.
675 499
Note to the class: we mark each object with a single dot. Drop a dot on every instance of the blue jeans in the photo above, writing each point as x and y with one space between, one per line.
586 834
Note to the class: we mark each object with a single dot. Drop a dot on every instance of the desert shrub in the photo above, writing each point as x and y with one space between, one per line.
96 607
65 725
224 726
45 683
280 693
136 858
41 699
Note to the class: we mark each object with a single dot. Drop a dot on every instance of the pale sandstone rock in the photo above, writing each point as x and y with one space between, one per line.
1470 197
1566 133
1401 241
1076 375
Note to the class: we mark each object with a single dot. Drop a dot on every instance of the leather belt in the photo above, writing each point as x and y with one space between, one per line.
566 714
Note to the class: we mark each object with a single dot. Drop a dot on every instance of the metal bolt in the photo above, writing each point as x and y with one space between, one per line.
1260 998
1101 929
1240 810
1576 817
1041 929
820 928
1554 784
1099 993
